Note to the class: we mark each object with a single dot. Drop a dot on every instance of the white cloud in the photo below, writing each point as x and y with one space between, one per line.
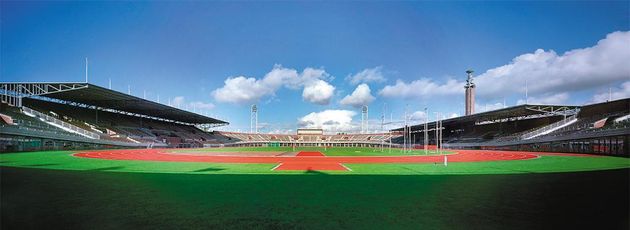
329 120
422 88
180 102
202 105
242 90
488 107
318 92
617 93
367 76
418 115
361 96
545 72
547 99
279 76
548 72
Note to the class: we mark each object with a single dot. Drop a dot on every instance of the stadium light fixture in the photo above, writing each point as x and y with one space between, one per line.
437 124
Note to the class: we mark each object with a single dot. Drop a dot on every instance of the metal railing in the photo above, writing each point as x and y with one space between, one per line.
538 132
61 123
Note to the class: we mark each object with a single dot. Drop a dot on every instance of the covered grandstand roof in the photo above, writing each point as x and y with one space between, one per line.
93 95
515 112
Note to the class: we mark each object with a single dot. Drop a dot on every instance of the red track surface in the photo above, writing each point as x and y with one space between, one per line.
308 163
306 160
310 154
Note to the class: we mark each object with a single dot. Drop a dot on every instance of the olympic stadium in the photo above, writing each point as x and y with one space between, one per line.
62 134
370 118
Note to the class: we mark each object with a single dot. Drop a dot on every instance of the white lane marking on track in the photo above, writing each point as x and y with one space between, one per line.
342 165
274 168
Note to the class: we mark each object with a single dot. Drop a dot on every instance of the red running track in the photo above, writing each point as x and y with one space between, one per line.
306 160
309 164
310 154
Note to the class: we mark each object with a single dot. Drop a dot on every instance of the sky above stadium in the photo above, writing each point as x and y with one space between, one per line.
313 64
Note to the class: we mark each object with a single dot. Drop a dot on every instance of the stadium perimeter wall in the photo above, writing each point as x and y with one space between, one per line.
17 143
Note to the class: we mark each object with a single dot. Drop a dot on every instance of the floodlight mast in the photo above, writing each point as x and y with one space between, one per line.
437 124
253 119
383 117
383 125
391 119
441 132
405 131
364 119
426 137
526 96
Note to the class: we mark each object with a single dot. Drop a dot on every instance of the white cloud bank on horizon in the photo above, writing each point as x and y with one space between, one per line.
422 88
242 90
329 120
623 91
547 99
546 73
361 96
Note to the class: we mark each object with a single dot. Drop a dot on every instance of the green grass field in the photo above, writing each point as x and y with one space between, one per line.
54 190
64 160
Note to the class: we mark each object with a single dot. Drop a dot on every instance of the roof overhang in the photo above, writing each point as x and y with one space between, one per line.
92 95
520 112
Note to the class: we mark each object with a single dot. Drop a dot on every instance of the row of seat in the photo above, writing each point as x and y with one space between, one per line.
256 137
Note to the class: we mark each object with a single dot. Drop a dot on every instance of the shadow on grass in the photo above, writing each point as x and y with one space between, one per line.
41 165
314 172
209 170
107 168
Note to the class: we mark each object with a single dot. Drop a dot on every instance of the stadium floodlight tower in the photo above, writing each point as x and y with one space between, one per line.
364 119
426 132
253 124
470 93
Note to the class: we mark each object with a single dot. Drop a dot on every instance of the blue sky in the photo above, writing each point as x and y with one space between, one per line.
188 50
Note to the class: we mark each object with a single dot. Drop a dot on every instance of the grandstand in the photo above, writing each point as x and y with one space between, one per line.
85 116
602 128
315 140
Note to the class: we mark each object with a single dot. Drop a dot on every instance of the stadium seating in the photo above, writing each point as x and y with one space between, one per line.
125 128
310 140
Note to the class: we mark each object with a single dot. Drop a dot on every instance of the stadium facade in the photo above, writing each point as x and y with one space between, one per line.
602 128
